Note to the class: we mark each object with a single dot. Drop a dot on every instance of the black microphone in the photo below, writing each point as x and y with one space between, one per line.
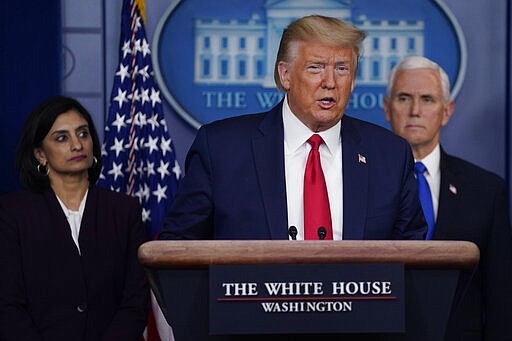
292 231
322 232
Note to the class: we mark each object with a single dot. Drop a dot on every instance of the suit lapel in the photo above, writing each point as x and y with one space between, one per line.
448 197
268 149
355 181
88 226
61 223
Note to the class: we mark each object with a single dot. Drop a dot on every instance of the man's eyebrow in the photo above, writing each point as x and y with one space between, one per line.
403 93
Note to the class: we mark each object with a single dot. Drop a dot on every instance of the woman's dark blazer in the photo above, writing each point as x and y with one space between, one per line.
48 291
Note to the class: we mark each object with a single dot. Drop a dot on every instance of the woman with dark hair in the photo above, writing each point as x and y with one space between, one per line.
68 249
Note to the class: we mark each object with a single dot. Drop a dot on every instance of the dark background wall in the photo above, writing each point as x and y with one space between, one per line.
29 71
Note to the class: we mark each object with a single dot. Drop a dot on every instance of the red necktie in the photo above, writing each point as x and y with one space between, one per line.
317 213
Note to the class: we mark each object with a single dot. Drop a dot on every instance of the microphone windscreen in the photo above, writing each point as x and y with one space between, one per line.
322 232
292 231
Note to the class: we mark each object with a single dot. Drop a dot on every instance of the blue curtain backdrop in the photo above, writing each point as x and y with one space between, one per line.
29 68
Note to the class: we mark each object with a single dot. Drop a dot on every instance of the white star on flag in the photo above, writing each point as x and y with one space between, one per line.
120 98
119 122
115 171
160 192
123 72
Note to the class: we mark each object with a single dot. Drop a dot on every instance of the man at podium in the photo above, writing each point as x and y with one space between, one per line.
304 169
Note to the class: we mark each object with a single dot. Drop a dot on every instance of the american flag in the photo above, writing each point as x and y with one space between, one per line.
138 154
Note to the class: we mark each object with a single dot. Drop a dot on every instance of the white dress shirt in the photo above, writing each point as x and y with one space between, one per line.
74 218
296 150
433 175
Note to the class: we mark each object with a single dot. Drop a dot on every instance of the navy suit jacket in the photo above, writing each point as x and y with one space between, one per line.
473 206
48 291
234 187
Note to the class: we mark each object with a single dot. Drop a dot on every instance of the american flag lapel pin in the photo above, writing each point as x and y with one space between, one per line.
361 159
453 189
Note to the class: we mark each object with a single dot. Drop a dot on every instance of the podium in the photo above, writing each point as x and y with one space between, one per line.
435 275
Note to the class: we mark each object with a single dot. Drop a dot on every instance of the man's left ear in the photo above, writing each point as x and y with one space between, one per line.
283 68
387 114
448 111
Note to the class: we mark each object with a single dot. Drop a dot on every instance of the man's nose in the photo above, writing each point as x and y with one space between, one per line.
415 107
328 80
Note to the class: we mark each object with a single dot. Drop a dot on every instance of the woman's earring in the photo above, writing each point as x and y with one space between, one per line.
43 169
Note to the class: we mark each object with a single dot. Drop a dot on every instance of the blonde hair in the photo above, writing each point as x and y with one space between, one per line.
326 30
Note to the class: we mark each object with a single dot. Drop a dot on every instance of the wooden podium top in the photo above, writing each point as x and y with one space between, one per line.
411 253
